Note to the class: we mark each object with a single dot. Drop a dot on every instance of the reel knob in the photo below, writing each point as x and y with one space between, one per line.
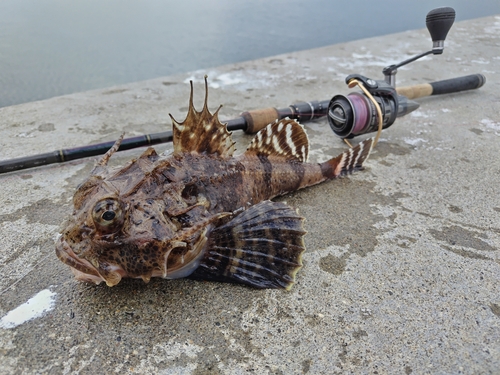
439 22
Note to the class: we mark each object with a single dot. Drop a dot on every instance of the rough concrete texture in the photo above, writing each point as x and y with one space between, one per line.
402 269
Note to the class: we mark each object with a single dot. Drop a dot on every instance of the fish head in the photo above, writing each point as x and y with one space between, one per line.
113 234
91 237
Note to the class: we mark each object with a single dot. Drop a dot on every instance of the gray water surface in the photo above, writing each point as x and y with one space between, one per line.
57 47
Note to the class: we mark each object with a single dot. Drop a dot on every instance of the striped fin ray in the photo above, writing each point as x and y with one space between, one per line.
285 138
202 132
349 161
261 247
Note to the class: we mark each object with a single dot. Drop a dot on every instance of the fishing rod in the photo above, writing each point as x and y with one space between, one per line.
374 109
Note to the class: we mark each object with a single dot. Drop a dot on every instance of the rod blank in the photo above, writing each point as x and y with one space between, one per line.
250 122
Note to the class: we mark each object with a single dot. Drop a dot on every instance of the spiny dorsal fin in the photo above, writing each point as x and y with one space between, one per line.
286 138
100 169
202 132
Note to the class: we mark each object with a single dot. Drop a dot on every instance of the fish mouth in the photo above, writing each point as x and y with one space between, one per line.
176 265
83 269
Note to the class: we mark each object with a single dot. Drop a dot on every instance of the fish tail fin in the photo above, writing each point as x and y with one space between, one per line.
349 161
261 247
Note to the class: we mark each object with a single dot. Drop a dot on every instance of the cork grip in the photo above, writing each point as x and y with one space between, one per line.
259 118
416 91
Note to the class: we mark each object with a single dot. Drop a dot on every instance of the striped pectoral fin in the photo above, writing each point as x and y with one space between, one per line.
349 161
261 247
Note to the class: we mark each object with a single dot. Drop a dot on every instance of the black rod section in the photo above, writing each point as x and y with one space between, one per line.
304 111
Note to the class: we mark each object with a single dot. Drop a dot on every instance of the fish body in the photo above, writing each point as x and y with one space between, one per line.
200 212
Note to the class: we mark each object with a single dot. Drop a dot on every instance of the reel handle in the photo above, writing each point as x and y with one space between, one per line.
439 22
447 86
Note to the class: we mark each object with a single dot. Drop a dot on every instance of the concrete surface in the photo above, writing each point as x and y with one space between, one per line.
402 269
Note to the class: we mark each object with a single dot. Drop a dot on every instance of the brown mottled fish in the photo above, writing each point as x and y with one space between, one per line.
200 212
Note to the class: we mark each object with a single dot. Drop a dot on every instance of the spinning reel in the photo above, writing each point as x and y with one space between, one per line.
380 102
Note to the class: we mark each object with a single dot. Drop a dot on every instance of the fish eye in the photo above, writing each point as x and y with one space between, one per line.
108 215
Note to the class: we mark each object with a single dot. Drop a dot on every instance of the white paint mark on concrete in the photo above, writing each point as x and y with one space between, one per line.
418 114
414 141
493 29
161 356
35 307
74 366
227 79
480 61
357 60
25 135
492 125
241 80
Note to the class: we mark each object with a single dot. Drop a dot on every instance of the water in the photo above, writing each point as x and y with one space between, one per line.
57 47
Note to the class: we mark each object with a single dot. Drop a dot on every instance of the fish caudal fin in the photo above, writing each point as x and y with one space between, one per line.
347 162
261 247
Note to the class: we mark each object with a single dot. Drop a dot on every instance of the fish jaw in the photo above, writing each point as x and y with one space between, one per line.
175 264
86 277
85 270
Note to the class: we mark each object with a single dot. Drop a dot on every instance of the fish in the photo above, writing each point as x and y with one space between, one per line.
199 212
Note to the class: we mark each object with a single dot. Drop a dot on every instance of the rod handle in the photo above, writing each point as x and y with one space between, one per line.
259 119
447 86
301 111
